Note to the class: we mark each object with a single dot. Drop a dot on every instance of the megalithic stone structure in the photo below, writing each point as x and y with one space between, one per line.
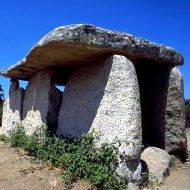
120 85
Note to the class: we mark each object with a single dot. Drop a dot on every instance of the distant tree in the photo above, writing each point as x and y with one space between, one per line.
1 94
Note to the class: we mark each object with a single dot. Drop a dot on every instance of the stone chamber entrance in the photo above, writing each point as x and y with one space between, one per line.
153 83
163 122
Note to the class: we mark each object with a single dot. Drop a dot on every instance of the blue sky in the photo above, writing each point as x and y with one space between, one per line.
24 22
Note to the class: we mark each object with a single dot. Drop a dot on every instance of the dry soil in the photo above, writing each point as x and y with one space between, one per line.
20 172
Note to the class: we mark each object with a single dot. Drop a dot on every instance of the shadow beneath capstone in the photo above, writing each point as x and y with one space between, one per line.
153 82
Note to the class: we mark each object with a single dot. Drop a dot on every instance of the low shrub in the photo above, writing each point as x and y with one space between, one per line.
79 158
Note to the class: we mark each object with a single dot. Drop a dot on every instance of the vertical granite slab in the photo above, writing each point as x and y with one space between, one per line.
42 102
175 136
13 107
105 98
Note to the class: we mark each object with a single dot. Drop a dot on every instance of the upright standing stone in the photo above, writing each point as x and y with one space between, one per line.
12 108
42 102
105 98
175 136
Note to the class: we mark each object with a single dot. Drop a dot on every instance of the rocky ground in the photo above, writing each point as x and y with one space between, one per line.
20 172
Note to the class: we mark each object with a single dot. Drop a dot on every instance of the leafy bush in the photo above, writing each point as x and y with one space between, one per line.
79 157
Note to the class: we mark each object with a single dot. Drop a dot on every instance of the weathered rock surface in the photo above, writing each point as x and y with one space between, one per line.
13 107
42 102
158 162
78 44
105 98
175 135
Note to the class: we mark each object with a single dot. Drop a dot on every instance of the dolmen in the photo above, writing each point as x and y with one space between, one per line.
123 87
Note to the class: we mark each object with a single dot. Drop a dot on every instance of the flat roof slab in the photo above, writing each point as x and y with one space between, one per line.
73 46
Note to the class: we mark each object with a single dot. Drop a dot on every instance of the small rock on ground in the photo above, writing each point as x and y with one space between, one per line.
158 162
